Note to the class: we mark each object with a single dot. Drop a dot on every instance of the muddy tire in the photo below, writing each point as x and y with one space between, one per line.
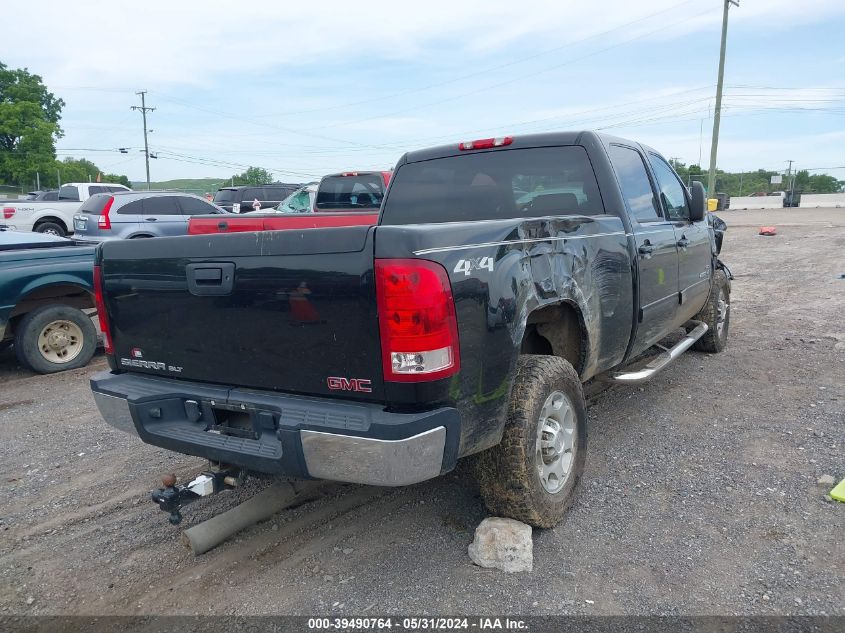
532 474
716 313
54 338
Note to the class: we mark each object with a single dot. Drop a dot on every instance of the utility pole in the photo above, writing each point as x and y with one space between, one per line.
791 180
143 108
711 179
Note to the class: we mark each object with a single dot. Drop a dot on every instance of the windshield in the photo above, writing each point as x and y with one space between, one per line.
350 192
224 195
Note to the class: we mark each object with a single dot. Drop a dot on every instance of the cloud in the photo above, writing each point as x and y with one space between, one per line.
191 42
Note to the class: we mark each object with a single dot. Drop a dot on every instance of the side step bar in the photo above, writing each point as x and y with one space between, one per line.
660 361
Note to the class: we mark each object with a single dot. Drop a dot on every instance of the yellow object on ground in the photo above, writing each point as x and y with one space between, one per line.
838 491
712 204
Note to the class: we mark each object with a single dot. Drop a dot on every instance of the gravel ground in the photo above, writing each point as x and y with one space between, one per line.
699 496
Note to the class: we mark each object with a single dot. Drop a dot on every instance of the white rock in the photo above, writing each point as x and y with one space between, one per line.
826 480
503 544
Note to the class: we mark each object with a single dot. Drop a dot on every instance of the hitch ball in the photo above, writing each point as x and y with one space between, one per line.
168 480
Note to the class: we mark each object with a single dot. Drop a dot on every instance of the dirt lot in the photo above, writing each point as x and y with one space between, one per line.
700 493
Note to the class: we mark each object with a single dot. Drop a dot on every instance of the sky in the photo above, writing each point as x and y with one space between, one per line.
306 89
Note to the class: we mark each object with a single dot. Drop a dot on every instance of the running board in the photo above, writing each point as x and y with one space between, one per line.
660 361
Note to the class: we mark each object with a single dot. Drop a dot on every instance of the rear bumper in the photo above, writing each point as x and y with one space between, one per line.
283 434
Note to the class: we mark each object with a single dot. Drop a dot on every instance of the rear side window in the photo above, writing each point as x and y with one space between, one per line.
161 205
50 196
69 192
195 206
350 192
116 188
252 193
136 207
92 189
95 204
635 184
500 184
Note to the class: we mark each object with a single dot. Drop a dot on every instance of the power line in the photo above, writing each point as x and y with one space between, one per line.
521 60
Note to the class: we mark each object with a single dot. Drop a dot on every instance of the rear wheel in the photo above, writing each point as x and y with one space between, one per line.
716 314
50 228
532 474
54 338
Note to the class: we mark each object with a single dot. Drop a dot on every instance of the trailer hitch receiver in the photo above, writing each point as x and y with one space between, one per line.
173 496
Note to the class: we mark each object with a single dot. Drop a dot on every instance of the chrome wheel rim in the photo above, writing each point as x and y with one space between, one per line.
60 341
556 437
51 232
723 307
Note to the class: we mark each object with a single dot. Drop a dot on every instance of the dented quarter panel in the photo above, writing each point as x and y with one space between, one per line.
580 260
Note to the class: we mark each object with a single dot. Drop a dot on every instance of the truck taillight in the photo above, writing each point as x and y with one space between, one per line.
417 323
99 301
8 212
103 221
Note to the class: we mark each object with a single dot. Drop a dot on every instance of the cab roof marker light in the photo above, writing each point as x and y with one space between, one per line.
486 143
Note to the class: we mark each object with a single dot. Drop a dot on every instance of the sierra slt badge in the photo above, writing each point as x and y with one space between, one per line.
137 361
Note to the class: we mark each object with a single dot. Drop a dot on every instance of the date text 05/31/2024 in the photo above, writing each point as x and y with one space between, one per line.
416 624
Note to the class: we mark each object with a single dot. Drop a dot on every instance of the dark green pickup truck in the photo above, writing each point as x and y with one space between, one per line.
46 297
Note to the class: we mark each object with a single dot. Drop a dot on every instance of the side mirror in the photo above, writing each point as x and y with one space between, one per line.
698 202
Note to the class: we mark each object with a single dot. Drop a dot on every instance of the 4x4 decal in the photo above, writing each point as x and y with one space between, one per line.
466 266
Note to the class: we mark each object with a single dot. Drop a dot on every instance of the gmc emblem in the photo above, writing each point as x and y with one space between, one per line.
337 383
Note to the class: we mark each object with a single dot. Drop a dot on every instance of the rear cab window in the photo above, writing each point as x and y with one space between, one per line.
350 193
69 192
495 185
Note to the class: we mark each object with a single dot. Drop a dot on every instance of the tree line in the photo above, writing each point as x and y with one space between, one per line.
760 181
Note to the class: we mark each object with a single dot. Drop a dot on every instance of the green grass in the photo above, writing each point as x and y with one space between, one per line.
193 185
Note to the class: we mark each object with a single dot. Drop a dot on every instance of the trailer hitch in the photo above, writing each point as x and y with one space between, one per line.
173 496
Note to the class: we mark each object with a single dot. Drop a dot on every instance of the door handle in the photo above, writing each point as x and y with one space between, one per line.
683 242
151 219
646 249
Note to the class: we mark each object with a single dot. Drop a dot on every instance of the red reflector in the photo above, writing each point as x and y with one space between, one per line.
8 212
103 221
101 309
486 143
417 323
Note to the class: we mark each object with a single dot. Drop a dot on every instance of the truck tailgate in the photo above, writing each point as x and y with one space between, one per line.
291 311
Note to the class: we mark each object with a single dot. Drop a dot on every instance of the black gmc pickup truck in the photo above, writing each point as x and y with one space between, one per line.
502 274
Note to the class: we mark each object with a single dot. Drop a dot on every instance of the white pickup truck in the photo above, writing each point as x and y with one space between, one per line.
53 217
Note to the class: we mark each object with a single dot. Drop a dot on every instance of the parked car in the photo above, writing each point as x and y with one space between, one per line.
240 199
45 288
50 196
135 214
53 217
300 201
463 323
